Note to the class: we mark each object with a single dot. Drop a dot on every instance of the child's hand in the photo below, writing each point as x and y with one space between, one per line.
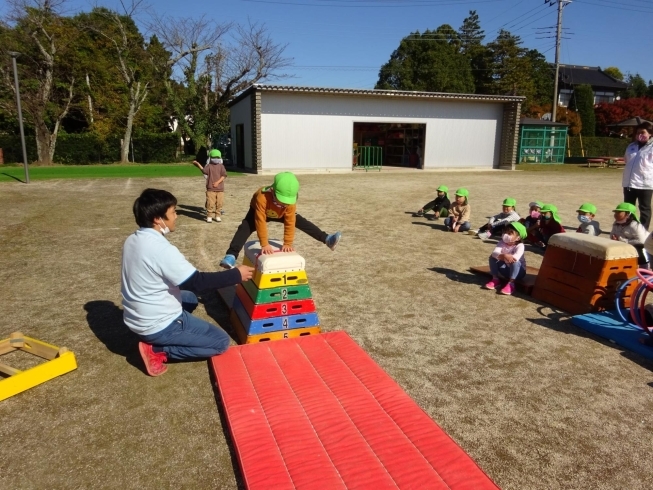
246 272
215 184
267 250
437 215
509 259
287 248
456 228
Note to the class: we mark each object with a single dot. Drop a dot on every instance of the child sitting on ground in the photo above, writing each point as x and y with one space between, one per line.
547 226
459 213
440 205
507 259
215 173
627 228
275 203
496 224
530 222
586 213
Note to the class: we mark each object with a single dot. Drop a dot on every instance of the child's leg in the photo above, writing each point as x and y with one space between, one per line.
310 229
496 230
242 234
444 212
210 204
447 222
517 271
643 258
465 226
483 228
219 200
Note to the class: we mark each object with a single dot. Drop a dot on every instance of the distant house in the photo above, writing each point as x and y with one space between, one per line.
605 87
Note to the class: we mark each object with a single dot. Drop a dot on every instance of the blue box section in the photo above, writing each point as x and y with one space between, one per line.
609 325
275 324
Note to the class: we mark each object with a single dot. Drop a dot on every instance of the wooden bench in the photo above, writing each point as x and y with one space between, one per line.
599 162
616 163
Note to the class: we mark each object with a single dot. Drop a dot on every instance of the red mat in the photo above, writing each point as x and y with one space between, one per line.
318 412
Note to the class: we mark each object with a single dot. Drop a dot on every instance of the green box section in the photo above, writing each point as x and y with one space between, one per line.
271 295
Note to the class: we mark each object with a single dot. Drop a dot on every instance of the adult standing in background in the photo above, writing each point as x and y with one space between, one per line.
638 175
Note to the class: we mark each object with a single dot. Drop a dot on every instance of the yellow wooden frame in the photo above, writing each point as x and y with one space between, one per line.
59 361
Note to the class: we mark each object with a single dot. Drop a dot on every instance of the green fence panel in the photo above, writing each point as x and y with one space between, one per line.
369 158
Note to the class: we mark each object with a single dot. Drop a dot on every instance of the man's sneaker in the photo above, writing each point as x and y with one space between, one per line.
472 232
508 289
218 219
154 361
493 284
229 262
484 235
209 219
333 239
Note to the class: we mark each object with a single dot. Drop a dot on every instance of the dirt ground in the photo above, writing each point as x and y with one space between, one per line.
538 403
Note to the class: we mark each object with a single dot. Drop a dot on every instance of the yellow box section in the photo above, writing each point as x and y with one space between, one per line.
38 374
276 280
243 338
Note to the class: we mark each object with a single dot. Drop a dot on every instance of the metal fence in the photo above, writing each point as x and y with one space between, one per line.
368 158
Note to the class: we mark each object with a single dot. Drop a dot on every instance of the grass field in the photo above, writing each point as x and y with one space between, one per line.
16 173
537 402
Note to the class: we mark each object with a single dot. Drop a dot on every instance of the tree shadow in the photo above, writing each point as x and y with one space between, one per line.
457 276
13 177
560 321
105 321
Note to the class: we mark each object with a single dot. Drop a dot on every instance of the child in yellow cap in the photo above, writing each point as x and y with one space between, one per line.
589 226
275 203
496 224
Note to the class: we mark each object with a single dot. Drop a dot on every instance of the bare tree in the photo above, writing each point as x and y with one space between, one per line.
42 35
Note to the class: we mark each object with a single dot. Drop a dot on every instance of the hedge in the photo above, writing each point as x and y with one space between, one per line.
597 146
88 148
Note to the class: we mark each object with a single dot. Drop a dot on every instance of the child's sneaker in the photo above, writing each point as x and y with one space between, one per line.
154 361
484 235
433 218
472 232
222 212
418 214
229 262
508 289
209 219
218 219
493 284
333 239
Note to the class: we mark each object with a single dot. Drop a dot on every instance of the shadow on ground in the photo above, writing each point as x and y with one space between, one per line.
561 322
105 321
194 212
457 276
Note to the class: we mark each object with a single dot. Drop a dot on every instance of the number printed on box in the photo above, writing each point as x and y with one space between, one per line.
285 322
284 293
284 309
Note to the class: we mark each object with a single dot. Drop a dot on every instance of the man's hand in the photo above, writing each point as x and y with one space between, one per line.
287 248
267 250
246 272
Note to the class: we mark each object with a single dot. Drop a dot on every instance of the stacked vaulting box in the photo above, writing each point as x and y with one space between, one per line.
277 303
581 273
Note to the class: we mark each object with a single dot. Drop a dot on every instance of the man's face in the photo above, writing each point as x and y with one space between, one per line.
170 218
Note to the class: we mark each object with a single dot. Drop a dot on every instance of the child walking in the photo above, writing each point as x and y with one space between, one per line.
496 224
586 213
459 213
440 205
215 174
627 228
275 203
547 225
507 259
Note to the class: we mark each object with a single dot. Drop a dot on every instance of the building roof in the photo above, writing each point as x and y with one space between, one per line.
530 121
589 75
376 93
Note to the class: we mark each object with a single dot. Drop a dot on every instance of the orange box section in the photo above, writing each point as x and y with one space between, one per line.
269 310
317 412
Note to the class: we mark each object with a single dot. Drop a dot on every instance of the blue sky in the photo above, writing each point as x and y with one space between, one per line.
342 43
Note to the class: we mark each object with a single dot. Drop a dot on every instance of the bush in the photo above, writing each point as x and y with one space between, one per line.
598 147
89 148
583 102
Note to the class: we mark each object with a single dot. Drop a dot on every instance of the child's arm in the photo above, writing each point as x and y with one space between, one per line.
260 220
289 218
198 165
218 182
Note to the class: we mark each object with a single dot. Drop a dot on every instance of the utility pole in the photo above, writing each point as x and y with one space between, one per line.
15 55
561 5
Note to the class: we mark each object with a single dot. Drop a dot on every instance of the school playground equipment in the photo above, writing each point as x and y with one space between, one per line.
277 302
59 360
317 412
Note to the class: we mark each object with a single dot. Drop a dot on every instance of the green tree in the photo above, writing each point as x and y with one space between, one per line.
542 77
649 92
583 103
511 66
429 61
472 36
614 72
636 87
46 41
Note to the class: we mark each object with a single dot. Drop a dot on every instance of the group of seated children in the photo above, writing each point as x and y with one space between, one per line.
507 261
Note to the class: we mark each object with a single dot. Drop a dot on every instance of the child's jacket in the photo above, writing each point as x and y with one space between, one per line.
461 212
592 228
632 232
213 172
437 204
503 219
516 250
266 207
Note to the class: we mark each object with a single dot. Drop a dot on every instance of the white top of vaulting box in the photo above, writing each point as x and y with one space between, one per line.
276 262
593 246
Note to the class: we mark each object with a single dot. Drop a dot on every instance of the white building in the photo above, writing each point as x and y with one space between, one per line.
306 129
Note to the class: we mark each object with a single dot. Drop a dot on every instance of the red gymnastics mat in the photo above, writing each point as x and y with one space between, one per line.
318 412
